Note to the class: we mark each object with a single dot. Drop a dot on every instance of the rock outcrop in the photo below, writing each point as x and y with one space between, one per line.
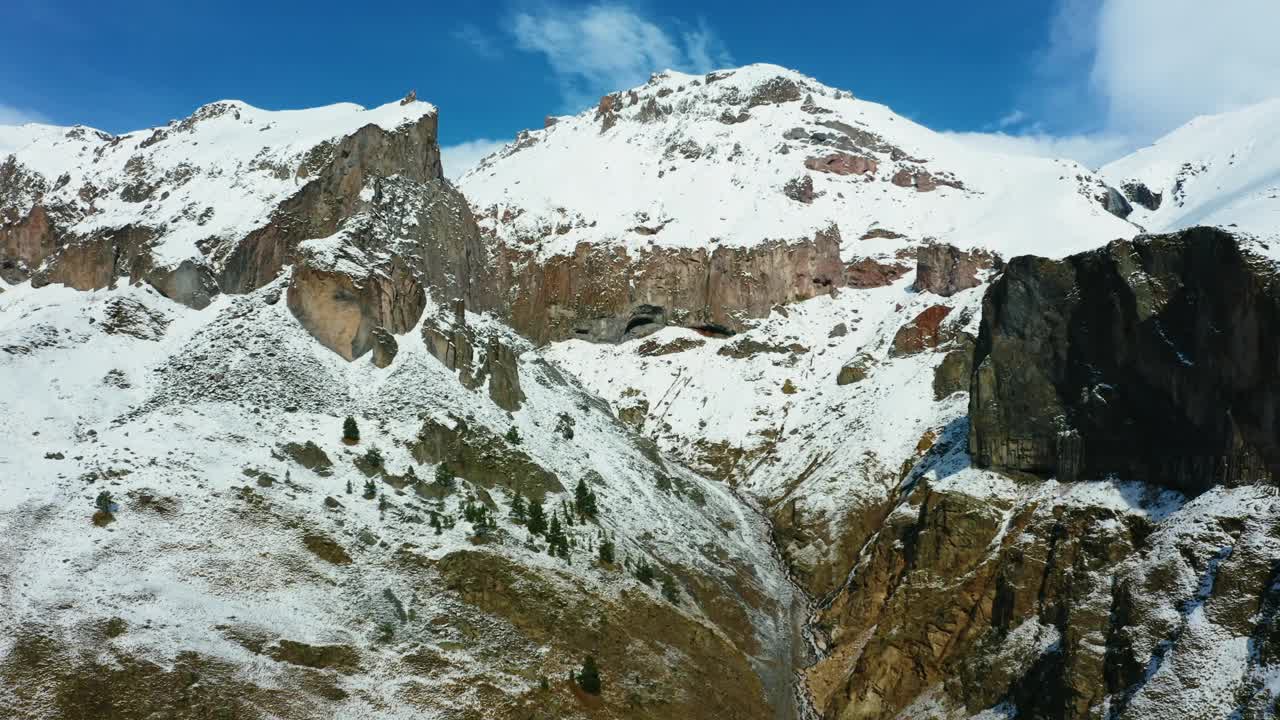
945 270
1154 359
336 176
476 358
604 294
843 164
342 310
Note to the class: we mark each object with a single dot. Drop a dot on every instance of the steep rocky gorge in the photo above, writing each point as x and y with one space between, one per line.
1033 594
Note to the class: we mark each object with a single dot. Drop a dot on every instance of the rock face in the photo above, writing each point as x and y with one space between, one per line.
946 270
1115 203
335 178
342 311
1155 359
604 294
1139 193
385 347
364 182
476 359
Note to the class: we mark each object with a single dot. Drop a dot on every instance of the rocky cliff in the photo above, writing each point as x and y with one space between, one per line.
225 199
1153 359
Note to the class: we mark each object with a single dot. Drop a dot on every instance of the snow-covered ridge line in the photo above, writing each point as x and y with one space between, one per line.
215 175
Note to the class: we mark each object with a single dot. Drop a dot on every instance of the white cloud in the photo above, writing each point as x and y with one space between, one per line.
1157 66
599 48
480 42
458 159
10 115
1014 117
1117 74
1090 150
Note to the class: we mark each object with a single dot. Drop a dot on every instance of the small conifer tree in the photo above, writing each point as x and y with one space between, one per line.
606 551
644 571
584 500
350 431
669 590
537 523
104 502
513 435
370 490
519 514
444 476
589 678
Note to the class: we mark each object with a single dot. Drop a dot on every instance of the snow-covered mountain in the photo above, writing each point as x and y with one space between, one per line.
744 310
1215 170
740 157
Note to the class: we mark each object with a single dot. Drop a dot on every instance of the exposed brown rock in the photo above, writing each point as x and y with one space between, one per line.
342 311
924 332
875 233
652 348
843 164
605 294
326 548
332 196
775 91
871 273
606 114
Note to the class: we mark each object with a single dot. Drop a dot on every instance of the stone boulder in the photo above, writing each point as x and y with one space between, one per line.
1155 359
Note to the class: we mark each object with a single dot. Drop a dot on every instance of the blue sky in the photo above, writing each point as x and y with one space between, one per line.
1039 74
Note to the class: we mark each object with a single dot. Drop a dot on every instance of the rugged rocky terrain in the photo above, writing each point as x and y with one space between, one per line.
878 425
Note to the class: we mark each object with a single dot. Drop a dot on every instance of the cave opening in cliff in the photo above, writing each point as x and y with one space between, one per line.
713 330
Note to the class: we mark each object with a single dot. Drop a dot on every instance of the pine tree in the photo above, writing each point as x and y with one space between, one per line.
350 431
537 519
555 536
382 503
584 500
669 590
513 435
373 456
606 551
644 572
348 487
518 512
589 678
104 502
444 476
370 490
